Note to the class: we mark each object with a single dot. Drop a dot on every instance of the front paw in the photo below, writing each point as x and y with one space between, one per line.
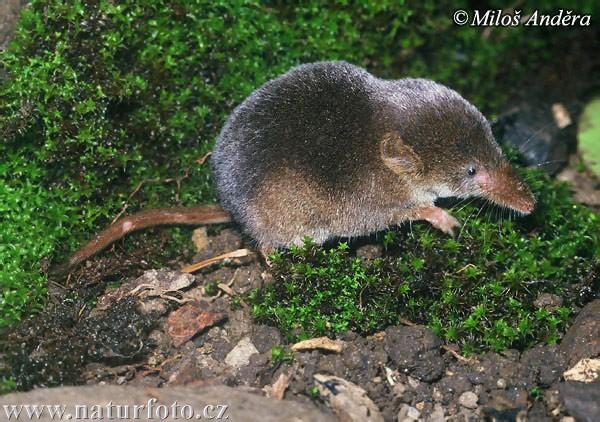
446 223
440 219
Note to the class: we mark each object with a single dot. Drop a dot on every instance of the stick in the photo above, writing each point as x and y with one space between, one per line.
235 254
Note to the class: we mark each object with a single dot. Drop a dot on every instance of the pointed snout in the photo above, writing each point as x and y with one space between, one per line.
504 187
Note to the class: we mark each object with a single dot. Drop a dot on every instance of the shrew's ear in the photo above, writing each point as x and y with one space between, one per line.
398 156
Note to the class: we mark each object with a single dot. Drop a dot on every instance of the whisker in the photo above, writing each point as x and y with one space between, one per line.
549 162
531 137
471 200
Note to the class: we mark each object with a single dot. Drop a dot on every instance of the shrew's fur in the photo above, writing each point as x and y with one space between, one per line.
328 150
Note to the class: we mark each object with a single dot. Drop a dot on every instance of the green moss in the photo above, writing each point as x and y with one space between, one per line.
280 355
100 96
31 221
7 385
477 290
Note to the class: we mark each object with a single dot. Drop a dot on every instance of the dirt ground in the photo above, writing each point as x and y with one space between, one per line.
163 328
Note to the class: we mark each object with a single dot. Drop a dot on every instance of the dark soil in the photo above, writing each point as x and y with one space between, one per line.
138 335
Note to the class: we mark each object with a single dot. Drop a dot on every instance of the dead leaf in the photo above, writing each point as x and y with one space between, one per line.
187 321
586 370
323 343
277 390
561 116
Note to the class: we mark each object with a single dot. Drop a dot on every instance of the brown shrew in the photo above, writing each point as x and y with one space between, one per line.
328 150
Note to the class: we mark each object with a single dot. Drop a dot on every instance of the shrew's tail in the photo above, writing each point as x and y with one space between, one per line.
207 214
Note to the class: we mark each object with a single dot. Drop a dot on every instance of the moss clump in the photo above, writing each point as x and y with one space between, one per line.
477 290
97 96
32 219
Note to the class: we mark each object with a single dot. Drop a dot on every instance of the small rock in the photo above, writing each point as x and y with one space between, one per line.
545 365
582 340
347 399
548 301
531 127
265 337
501 383
582 400
369 252
182 372
455 384
413 382
226 240
160 340
408 413
437 394
240 354
153 307
468 399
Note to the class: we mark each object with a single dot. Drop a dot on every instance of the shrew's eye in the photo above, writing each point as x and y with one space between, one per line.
471 171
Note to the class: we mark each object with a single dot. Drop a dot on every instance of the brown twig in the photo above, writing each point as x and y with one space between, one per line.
458 356
235 254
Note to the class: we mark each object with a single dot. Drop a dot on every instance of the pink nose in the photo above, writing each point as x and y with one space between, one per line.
504 187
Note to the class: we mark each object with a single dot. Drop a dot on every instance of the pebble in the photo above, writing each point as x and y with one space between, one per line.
369 252
240 354
437 395
408 413
413 382
501 383
468 399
